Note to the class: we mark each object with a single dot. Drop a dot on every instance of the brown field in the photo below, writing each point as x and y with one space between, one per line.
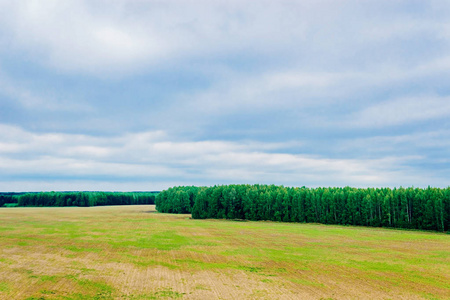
133 252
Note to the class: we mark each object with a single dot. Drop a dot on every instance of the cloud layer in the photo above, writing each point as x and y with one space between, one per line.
153 158
124 95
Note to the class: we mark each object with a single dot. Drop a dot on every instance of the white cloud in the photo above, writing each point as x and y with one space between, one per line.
153 156
72 35
101 38
402 111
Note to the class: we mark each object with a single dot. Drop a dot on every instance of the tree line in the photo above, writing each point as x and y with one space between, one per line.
79 198
413 208
8 198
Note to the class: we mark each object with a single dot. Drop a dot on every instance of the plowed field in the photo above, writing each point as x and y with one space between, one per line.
133 252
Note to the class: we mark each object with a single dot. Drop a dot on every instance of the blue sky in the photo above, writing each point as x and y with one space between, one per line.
144 95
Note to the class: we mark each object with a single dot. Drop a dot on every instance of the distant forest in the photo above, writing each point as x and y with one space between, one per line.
412 208
76 198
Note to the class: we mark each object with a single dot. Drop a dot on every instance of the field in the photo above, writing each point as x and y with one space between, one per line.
133 252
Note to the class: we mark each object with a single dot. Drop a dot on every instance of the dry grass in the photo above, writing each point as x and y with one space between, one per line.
131 252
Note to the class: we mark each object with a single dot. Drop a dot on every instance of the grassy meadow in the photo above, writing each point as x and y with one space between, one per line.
134 252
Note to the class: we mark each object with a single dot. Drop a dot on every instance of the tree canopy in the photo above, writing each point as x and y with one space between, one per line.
414 208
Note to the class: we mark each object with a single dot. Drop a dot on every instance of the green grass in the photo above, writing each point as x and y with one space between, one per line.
127 253
4 286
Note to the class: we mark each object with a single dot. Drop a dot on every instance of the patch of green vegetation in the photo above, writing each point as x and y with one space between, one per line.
80 296
94 290
79 249
429 296
71 276
6 228
147 263
244 251
440 254
4 286
94 285
6 260
87 270
167 294
167 240
419 278
22 271
45 278
199 242
202 287
47 292
250 269
194 264
411 278
144 262
376 266
296 256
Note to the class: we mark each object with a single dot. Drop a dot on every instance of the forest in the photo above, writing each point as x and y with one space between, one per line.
9 199
411 208
77 198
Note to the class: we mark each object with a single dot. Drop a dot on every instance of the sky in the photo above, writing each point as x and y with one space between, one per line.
144 95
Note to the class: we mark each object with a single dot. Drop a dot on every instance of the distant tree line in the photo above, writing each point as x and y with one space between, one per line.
79 198
8 198
414 208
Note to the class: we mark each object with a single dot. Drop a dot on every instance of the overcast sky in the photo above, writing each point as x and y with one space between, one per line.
144 95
